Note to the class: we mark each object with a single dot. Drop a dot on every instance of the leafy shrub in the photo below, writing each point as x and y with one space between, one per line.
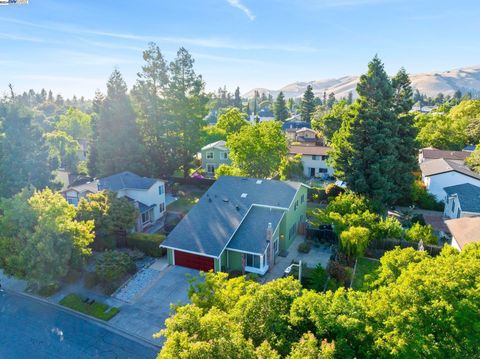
105 243
355 241
332 190
423 199
304 247
111 267
316 194
147 243
338 272
90 280
316 278
418 233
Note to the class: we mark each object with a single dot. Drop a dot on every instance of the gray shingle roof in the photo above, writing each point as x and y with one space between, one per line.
210 224
435 167
468 196
125 180
252 234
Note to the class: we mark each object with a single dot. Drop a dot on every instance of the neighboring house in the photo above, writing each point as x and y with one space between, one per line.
462 201
305 136
464 231
294 124
314 160
147 194
239 224
440 173
428 154
423 109
214 155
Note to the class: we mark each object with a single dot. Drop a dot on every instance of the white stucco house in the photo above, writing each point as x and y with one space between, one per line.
462 201
314 160
440 173
464 231
147 194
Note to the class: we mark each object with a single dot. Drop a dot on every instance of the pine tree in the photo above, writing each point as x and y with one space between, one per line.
331 100
407 147
280 108
23 152
50 96
149 92
237 100
365 149
119 147
186 104
308 104
92 159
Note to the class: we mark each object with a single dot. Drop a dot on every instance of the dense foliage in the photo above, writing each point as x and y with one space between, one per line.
417 306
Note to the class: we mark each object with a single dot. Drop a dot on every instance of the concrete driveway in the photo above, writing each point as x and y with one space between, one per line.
146 315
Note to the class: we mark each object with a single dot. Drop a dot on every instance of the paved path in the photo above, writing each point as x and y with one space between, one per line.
32 329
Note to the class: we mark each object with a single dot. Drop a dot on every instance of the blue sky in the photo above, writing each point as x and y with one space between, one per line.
72 46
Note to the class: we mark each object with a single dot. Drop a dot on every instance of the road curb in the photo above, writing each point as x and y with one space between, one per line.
99 322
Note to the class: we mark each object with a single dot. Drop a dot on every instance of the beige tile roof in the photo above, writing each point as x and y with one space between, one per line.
435 167
309 150
465 230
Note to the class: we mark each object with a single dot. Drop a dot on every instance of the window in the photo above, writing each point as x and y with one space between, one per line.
160 189
453 205
324 158
146 217
322 170
275 245
72 200
253 261
162 207
211 169
314 157
210 155
225 155
302 199
296 205
291 233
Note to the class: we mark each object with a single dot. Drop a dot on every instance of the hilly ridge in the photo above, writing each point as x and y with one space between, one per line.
466 79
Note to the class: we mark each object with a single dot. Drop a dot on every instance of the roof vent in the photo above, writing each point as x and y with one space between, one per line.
244 195
225 199
259 182
238 208
209 199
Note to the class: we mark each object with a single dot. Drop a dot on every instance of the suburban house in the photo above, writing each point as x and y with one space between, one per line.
294 123
147 194
440 173
430 153
462 200
304 135
239 224
464 231
262 116
314 160
213 155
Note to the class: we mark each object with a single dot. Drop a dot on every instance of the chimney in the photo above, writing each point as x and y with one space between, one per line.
271 249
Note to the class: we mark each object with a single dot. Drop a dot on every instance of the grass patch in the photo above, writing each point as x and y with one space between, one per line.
184 204
97 310
364 267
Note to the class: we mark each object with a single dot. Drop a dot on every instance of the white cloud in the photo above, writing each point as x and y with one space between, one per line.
238 4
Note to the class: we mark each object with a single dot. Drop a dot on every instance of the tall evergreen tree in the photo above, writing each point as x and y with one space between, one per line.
119 147
365 149
186 103
92 159
149 93
237 100
308 104
407 145
280 108
23 152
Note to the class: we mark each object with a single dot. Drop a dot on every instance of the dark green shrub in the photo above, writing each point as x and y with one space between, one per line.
338 272
304 247
316 194
147 243
316 278
111 267
422 199
90 280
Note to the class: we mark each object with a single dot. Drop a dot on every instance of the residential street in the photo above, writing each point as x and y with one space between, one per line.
32 329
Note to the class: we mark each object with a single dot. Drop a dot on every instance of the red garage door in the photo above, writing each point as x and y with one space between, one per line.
194 261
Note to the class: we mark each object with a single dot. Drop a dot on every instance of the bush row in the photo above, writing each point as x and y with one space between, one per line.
147 243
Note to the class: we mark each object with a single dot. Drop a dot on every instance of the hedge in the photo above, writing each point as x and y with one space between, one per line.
147 243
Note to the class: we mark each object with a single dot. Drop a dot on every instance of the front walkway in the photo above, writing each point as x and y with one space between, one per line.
317 255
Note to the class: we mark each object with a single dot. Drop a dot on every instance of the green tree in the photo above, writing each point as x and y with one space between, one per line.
23 151
365 149
307 106
291 168
227 170
63 150
473 161
155 124
186 104
328 123
118 143
75 123
355 241
232 121
237 99
258 150
50 241
418 233
280 108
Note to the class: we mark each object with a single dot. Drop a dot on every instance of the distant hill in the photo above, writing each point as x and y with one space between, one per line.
466 79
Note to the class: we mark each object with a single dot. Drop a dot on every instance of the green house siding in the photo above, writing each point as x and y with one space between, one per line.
234 260
170 256
216 161
294 217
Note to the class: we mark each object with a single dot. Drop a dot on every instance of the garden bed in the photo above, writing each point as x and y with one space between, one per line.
96 309
364 267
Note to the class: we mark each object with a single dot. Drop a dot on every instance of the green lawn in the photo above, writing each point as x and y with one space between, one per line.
97 310
364 266
183 204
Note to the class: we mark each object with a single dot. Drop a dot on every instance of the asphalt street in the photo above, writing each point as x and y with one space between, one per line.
32 329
